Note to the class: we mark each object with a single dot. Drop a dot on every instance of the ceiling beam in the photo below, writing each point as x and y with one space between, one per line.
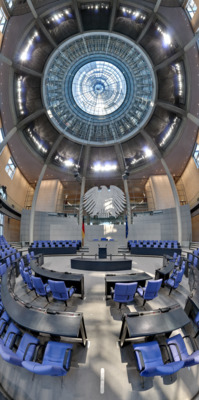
171 107
31 118
21 68
113 14
78 16
169 60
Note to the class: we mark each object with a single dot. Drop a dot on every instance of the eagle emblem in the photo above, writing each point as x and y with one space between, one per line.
104 202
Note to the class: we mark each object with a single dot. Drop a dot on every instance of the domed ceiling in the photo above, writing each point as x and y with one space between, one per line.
107 76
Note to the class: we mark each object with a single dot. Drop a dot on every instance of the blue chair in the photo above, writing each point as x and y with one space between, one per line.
56 360
174 282
4 321
25 351
10 337
124 292
41 289
179 351
60 291
150 362
2 269
150 291
28 280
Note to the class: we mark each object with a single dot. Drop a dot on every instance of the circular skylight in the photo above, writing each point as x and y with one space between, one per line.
99 88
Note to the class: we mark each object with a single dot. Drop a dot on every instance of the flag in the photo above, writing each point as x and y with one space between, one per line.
127 228
83 232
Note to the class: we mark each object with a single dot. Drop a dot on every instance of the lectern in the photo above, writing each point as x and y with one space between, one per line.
102 252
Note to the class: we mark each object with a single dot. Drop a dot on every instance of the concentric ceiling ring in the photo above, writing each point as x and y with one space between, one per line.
99 88
94 61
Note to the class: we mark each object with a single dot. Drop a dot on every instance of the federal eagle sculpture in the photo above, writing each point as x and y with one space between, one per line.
104 202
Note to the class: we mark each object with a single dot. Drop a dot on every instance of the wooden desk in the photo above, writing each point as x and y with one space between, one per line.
152 323
67 324
111 280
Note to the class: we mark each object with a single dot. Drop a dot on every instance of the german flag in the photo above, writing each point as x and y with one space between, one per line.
83 232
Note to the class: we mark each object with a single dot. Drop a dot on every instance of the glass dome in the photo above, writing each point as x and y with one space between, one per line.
99 88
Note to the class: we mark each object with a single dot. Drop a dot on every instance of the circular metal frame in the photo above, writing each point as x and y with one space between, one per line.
133 112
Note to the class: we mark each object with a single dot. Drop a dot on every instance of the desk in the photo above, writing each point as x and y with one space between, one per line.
91 264
164 272
76 280
155 251
69 325
49 251
111 280
152 323
192 302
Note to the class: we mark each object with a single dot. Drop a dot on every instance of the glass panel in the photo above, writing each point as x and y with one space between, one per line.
10 168
99 88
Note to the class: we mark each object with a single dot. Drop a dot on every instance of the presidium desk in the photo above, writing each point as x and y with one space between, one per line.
67 324
152 323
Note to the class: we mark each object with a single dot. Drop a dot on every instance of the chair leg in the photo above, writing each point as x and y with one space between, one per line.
120 305
144 302
197 333
170 290
66 303
142 382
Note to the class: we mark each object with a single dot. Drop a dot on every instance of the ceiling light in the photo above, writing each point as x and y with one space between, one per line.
98 167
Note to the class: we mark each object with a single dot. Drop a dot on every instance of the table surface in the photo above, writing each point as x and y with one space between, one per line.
156 322
63 276
138 276
61 324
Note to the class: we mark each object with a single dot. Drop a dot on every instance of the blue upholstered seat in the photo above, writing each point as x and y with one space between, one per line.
60 291
56 360
28 280
174 281
150 362
40 288
124 292
25 351
179 351
150 291
10 336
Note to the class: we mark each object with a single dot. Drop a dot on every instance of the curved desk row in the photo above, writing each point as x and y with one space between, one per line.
192 303
154 251
76 280
69 325
91 264
111 280
152 323
48 251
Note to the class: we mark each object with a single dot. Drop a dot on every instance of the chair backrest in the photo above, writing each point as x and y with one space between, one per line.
55 353
28 280
58 289
2 269
10 335
124 292
152 288
38 285
178 278
31 342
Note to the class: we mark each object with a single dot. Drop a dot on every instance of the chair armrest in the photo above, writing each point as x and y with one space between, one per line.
177 348
193 343
170 359
13 339
27 348
65 359
141 359
38 347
